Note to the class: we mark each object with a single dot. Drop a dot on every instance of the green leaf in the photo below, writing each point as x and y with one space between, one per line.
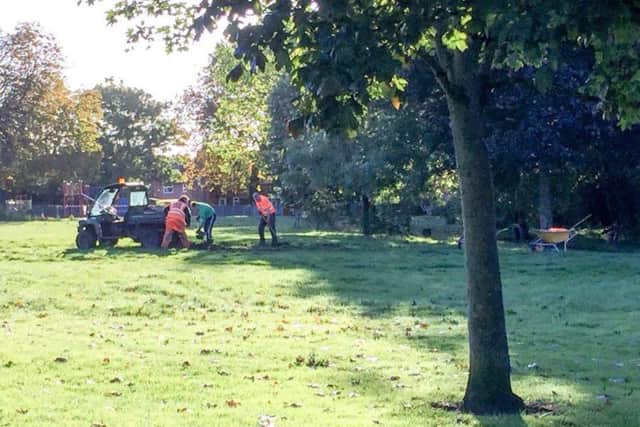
399 83
455 39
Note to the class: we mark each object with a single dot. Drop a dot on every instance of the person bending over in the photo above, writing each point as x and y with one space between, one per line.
177 219
206 218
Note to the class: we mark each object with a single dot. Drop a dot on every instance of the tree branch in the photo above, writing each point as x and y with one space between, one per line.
441 77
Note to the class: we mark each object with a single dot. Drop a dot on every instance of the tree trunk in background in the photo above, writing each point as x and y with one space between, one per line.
489 383
366 216
545 213
3 198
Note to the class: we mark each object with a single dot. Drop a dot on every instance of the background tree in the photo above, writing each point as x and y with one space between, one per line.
135 135
47 133
231 123
338 51
30 64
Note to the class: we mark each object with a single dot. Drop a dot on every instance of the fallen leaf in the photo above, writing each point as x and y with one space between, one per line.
394 378
295 405
9 364
114 393
232 403
115 380
60 359
207 385
186 364
223 372
229 329
267 421
98 425
22 411
199 333
180 410
106 361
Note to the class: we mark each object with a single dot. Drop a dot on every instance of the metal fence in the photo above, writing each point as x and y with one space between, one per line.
60 211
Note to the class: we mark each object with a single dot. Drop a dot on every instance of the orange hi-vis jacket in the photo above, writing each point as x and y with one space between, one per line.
176 219
264 206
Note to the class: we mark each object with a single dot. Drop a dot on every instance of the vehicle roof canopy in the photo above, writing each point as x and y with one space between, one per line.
135 186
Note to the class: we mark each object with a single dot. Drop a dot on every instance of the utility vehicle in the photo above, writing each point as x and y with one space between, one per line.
122 210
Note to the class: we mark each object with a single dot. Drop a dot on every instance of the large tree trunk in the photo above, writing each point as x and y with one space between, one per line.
545 214
489 384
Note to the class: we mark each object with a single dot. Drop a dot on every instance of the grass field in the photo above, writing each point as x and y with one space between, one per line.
333 330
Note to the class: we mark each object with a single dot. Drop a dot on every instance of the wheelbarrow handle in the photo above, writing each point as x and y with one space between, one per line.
581 221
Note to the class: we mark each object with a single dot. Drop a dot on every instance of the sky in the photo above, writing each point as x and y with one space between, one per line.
95 51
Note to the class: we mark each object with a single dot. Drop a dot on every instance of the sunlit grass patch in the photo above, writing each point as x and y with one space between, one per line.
334 329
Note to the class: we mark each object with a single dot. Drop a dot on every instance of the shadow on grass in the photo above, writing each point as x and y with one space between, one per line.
569 315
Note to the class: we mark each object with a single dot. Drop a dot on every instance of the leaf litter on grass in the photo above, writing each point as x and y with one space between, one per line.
300 284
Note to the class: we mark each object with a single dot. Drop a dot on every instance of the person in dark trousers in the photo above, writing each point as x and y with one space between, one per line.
267 218
206 218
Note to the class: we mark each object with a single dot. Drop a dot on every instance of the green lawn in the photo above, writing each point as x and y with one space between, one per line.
334 330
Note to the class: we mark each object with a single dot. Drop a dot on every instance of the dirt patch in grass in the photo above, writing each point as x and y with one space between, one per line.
535 407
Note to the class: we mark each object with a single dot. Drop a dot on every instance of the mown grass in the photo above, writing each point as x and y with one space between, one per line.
333 330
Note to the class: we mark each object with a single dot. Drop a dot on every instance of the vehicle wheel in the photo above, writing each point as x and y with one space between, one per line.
86 239
108 243
151 239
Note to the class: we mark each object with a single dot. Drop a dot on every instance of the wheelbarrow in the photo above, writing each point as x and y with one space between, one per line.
555 236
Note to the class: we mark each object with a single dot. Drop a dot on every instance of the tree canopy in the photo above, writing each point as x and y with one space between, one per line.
231 125
47 133
135 134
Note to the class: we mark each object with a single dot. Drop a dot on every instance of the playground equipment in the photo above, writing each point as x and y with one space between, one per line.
75 199
554 236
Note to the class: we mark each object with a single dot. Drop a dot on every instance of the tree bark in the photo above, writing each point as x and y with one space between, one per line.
489 384
3 198
366 218
545 214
